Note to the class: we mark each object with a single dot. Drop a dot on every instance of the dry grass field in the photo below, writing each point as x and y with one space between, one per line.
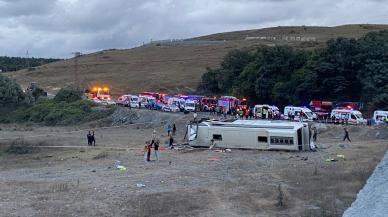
171 68
76 180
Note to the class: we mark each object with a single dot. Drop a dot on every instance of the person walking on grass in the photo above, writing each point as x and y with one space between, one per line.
346 135
156 149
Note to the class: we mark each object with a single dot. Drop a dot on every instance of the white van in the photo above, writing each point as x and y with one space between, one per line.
297 112
129 100
351 116
178 102
262 111
380 116
147 101
190 106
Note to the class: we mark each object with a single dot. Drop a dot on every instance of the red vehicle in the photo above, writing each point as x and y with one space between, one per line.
321 108
349 106
98 92
208 103
243 104
157 96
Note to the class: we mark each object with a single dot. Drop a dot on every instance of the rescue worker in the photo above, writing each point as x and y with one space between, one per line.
346 135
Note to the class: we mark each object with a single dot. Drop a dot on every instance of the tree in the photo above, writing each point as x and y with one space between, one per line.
11 94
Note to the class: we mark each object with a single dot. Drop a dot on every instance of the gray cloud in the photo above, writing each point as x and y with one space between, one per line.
55 28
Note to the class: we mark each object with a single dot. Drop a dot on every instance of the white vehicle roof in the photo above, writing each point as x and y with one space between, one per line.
345 111
380 112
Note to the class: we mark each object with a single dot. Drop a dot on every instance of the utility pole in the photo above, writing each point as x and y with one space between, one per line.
27 60
76 78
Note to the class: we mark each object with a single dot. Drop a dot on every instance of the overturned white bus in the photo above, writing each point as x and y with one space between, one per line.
250 134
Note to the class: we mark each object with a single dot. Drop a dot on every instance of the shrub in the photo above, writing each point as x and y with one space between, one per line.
68 94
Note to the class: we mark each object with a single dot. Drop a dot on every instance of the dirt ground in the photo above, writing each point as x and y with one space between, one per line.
76 180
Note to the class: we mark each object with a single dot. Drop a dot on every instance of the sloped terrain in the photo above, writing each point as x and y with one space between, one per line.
174 66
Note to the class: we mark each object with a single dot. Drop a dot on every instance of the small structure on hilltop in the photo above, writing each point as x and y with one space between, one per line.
250 134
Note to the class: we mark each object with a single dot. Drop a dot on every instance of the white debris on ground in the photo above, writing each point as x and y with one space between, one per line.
372 200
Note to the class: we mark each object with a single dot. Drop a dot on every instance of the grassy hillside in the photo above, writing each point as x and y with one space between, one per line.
173 67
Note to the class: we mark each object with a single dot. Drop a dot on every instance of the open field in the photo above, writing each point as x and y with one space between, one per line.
81 181
172 67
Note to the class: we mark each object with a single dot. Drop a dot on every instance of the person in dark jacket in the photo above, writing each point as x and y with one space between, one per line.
346 135
171 142
89 137
92 139
173 129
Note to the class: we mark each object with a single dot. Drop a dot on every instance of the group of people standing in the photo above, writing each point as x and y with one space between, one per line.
91 138
155 143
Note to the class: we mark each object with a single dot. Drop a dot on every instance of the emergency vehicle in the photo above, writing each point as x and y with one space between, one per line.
347 115
208 103
129 100
380 116
190 106
98 92
147 101
158 96
299 113
228 102
321 108
263 111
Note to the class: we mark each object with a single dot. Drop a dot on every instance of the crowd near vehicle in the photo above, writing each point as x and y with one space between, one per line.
349 116
380 117
299 113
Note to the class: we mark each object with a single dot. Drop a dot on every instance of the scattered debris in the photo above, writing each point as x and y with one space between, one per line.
93 171
341 156
119 167
140 185
331 160
183 147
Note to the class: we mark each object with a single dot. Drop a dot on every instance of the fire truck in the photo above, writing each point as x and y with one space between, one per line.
321 108
98 92
231 103
208 103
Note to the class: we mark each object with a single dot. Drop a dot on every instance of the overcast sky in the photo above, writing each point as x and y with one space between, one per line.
56 28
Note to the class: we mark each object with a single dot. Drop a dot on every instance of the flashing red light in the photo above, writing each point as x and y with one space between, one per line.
349 107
